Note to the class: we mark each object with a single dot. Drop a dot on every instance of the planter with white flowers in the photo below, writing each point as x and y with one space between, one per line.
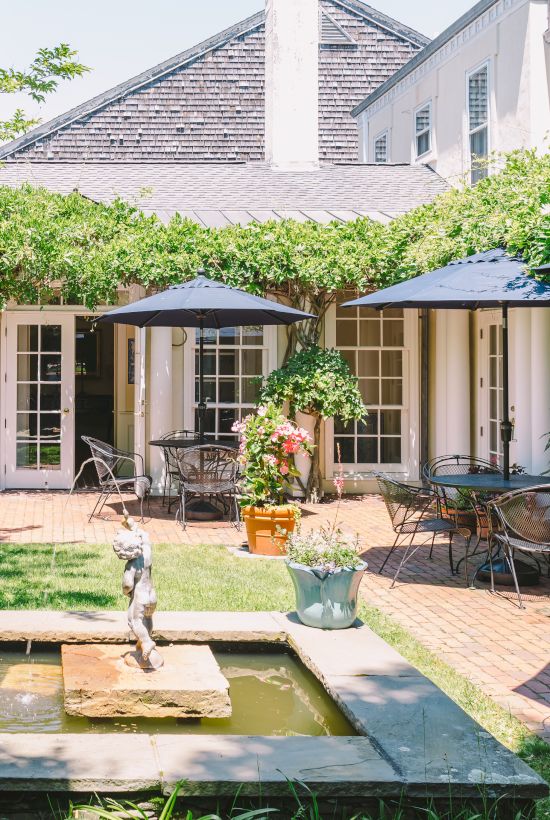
326 571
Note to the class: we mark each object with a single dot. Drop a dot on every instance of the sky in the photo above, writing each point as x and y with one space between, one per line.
118 39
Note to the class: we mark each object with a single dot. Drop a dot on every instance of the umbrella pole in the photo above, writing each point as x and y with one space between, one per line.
202 403
505 424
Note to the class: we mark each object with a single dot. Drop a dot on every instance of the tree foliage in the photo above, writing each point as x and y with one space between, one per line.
316 381
42 77
90 248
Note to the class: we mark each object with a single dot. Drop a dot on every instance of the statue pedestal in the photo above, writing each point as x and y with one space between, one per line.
98 682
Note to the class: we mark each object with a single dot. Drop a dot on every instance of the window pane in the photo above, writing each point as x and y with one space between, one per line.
50 396
347 450
27 338
27 367
250 389
390 450
350 357
392 391
493 412
422 119
50 426
26 396
393 333
423 143
367 450
370 424
209 386
26 425
252 335
229 362
209 420
390 422
346 333
493 428
492 340
229 336
50 367
209 335
393 313
26 455
208 363
370 390
50 338
392 363
229 390
50 456
381 148
369 363
478 145
369 332
341 426
252 362
226 419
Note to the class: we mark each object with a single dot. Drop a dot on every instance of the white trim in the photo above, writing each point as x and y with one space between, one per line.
415 155
384 133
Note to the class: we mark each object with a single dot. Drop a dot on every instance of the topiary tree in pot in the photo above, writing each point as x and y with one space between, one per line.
318 382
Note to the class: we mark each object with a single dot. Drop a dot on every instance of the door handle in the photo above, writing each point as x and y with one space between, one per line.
66 411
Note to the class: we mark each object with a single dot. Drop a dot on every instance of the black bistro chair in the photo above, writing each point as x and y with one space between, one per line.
117 471
466 509
523 526
171 471
414 512
209 471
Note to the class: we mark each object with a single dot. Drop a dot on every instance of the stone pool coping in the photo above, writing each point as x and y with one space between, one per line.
414 740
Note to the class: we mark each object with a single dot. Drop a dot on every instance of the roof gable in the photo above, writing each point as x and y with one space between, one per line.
207 103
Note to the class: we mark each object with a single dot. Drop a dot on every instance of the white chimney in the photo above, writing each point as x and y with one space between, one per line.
291 83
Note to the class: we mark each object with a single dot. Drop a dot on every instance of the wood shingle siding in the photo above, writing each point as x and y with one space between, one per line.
208 102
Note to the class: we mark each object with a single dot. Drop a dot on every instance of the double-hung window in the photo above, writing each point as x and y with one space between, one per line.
478 122
381 152
423 129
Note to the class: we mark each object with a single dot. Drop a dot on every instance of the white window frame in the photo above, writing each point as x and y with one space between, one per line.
427 104
409 468
269 363
469 131
384 133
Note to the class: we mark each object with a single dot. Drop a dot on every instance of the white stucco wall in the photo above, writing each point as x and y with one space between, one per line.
510 37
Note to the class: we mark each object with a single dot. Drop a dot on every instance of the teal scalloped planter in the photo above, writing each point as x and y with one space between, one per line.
326 600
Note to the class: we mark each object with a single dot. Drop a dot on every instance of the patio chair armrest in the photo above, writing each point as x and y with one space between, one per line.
136 459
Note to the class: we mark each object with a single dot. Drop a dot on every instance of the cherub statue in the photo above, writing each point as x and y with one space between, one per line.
132 545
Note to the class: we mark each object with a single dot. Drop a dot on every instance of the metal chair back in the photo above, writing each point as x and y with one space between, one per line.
402 501
108 458
169 452
524 516
207 468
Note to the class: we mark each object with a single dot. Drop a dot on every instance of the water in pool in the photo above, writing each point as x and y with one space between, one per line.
271 694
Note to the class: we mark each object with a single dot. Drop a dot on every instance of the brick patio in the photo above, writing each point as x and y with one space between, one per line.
487 638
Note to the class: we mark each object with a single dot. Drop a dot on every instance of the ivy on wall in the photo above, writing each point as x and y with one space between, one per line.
87 249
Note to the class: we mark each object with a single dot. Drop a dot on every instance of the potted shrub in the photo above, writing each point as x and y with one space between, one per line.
268 440
326 571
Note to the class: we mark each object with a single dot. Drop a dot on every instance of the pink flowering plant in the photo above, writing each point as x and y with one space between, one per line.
267 441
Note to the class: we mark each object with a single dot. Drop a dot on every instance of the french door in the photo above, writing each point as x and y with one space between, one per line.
490 385
39 400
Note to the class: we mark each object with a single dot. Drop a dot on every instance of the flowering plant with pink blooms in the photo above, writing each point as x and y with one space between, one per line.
267 441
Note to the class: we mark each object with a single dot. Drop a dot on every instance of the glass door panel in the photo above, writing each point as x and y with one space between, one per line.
39 412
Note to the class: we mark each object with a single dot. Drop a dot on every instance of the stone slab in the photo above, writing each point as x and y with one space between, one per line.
86 762
354 651
99 683
112 627
429 738
329 765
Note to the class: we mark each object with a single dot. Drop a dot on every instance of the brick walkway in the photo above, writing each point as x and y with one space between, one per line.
487 638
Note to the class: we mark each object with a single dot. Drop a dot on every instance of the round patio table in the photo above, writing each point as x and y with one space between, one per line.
199 508
496 484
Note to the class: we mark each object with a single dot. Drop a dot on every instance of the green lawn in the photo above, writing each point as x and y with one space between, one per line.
79 576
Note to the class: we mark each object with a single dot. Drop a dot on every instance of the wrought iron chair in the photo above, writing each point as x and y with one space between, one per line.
110 461
171 472
414 511
208 470
524 526
463 507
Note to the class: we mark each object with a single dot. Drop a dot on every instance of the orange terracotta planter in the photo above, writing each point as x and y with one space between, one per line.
262 529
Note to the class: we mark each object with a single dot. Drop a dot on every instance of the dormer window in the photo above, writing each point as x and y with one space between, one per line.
381 152
423 129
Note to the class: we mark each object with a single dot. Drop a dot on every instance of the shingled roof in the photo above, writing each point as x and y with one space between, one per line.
207 103
226 194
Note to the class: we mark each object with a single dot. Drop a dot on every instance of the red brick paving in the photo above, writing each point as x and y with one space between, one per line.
502 649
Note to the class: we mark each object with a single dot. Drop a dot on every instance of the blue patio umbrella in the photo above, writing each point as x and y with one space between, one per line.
484 280
203 303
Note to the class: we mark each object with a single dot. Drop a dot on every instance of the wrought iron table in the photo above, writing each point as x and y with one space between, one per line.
495 484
